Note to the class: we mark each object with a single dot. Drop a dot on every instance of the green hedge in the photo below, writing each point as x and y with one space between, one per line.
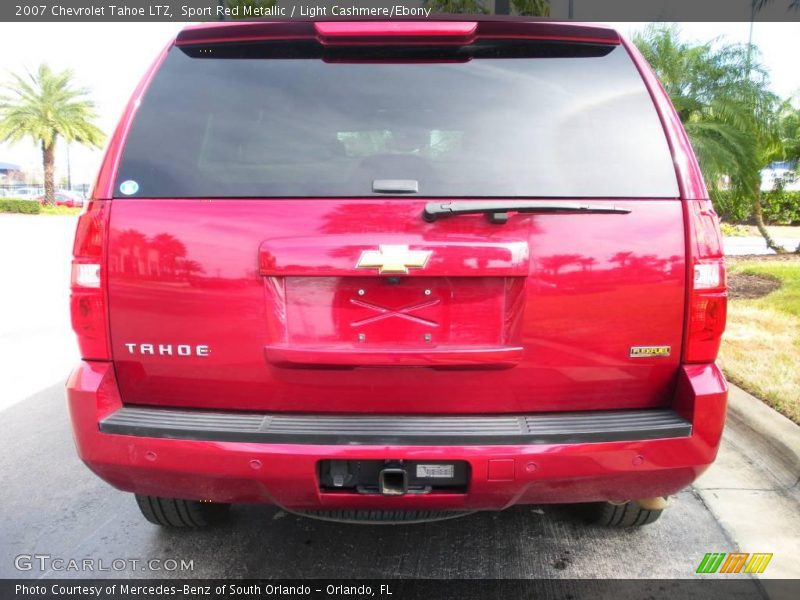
12 205
730 208
780 207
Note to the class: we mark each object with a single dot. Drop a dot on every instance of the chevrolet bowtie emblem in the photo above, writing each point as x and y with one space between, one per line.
393 259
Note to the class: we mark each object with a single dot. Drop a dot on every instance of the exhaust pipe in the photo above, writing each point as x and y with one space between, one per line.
657 503
393 482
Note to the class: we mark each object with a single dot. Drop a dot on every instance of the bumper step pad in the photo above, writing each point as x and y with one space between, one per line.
427 430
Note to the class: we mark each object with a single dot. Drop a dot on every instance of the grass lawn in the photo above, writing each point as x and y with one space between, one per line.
60 210
761 348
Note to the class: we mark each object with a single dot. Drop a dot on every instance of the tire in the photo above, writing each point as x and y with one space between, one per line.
181 514
630 514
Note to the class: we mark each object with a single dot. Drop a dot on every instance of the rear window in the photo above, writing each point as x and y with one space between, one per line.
543 119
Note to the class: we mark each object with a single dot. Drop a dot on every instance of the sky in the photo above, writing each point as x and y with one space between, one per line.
110 59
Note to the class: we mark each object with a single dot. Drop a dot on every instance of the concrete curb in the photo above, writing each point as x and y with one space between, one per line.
776 430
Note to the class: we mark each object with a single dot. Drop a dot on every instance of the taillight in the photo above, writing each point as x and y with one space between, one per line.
88 297
708 296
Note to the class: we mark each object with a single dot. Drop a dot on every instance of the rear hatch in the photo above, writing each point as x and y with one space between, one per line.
270 248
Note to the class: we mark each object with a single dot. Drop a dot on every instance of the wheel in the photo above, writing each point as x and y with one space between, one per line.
181 514
629 514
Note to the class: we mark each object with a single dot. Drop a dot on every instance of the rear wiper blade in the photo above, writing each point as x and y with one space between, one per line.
497 210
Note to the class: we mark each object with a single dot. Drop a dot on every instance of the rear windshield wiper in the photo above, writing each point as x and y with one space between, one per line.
497 210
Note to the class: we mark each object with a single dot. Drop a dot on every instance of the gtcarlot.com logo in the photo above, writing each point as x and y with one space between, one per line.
735 562
46 562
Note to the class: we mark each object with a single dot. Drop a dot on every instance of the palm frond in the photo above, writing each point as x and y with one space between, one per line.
721 94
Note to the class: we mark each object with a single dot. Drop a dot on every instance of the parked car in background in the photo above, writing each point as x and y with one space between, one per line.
23 193
308 276
66 198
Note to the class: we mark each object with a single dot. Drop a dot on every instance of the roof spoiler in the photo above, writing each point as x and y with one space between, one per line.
353 33
349 33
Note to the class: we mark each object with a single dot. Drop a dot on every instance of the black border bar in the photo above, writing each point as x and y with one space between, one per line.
560 10
707 588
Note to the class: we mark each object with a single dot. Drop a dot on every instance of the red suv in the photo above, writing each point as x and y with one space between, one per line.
396 271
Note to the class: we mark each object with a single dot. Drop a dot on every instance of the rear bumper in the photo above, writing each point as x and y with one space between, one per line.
655 453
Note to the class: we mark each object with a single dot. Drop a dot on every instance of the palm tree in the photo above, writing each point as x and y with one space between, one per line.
789 126
789 130
44 106
721 95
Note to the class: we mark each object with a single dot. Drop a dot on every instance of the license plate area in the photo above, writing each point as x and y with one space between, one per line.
391 312
393 477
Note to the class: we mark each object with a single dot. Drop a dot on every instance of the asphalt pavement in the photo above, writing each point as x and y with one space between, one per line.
53 506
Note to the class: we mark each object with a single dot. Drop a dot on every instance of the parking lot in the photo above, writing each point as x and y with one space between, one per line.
52 505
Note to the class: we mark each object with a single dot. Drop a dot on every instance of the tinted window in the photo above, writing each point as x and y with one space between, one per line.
494 119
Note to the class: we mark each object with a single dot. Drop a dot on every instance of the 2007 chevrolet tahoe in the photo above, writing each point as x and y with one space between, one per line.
397 271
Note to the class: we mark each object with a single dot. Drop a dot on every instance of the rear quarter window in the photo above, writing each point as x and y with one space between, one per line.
494 119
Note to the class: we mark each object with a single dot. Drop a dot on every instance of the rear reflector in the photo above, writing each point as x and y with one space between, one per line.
708 296
706 325
87 298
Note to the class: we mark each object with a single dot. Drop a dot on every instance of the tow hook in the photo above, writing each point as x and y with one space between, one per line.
393 481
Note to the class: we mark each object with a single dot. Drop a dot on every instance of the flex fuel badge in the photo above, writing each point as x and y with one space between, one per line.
645 351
